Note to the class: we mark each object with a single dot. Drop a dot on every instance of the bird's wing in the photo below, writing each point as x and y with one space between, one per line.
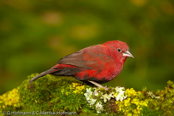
93 57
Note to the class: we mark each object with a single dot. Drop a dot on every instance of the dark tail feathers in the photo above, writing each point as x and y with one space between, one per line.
42 74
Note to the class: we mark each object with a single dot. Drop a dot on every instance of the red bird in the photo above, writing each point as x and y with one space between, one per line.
95 64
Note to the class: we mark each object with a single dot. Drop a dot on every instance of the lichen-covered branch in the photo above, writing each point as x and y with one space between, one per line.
63 95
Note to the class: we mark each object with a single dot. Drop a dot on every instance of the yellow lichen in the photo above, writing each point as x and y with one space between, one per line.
10 98
132 100
131 92
77 88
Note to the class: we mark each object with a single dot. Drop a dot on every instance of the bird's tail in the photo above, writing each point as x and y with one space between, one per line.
43 73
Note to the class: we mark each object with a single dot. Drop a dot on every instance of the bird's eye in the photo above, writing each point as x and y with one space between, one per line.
118 49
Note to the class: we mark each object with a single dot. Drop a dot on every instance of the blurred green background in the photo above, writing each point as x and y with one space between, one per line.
35 34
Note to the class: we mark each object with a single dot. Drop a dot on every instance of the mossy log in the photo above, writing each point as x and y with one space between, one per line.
50 95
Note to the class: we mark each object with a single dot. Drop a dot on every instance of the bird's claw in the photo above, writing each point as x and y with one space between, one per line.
104 87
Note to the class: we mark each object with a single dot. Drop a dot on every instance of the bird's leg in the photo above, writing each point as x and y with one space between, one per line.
98 85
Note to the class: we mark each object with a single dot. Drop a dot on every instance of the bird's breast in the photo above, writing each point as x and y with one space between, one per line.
114 71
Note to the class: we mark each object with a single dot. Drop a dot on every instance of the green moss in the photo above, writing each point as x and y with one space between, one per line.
50 93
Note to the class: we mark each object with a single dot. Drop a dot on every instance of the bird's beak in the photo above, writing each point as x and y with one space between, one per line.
128 54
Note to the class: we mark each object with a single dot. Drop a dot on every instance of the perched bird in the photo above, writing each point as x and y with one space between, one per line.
95 64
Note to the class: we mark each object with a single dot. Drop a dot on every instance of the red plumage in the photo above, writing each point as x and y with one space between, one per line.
99 63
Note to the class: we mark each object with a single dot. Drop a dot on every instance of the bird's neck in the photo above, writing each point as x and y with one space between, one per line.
123 59
119 59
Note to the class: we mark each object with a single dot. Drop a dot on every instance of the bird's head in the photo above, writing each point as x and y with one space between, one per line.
119 49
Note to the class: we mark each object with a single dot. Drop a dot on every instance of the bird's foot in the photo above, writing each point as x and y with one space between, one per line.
106 88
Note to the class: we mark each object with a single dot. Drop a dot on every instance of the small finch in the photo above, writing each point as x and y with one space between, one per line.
95 64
